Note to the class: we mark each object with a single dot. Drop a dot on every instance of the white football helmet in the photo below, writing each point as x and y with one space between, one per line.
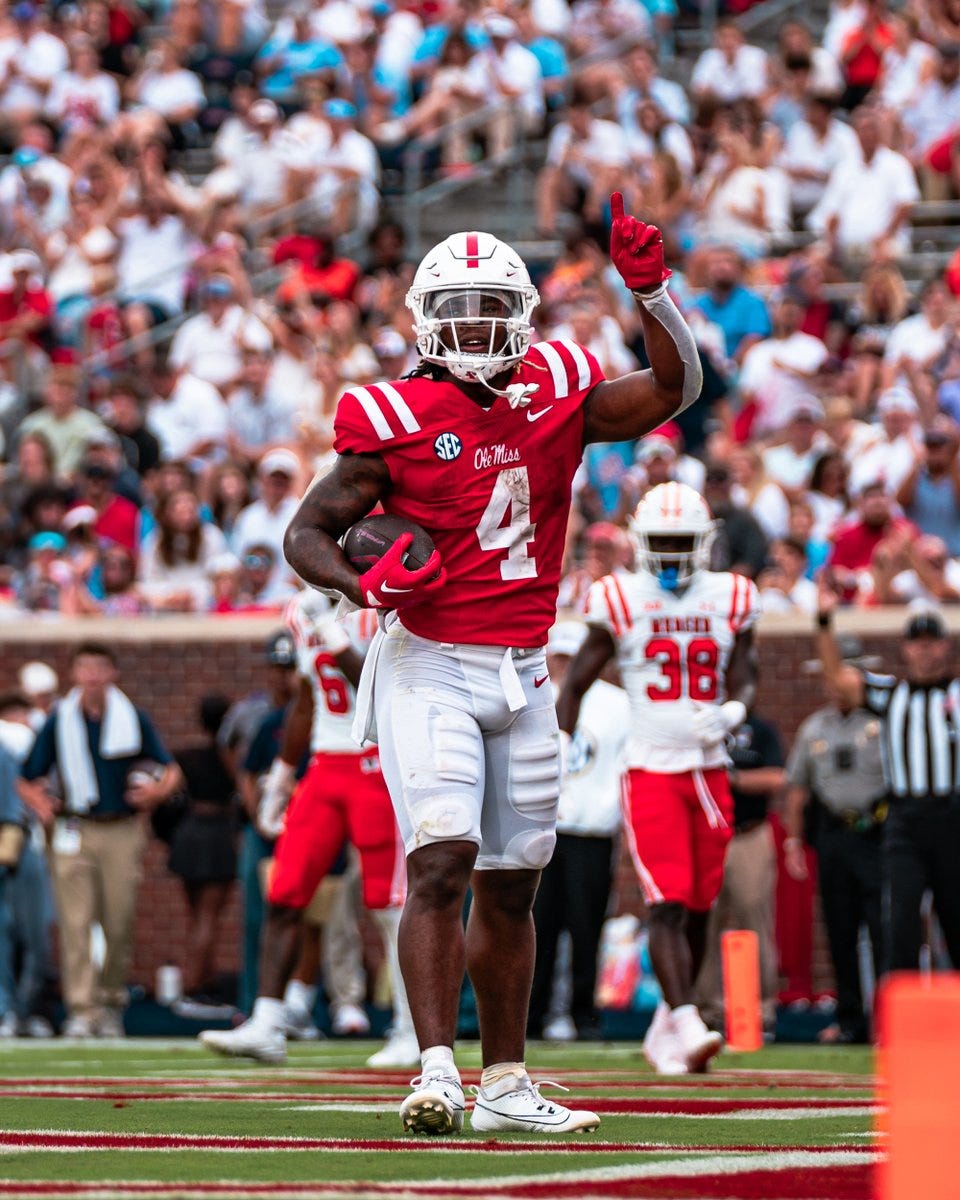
674 532
472 303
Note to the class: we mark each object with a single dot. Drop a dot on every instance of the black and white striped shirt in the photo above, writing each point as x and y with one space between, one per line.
921 733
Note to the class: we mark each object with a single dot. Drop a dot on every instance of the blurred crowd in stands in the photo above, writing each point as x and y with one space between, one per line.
199 212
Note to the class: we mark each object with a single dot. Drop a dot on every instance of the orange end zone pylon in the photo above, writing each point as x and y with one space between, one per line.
740 954
919 1069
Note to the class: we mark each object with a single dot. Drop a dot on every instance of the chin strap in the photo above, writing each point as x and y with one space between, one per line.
518 395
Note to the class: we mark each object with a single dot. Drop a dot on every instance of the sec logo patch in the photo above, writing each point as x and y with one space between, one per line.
447 446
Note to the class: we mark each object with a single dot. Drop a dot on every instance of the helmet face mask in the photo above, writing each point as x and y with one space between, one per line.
472 303
674 532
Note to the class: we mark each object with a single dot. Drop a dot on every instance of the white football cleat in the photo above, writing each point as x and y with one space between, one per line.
514 1104
661 1045
349 1020
401 1049
435 1105
697 1043
248 1040
299 1026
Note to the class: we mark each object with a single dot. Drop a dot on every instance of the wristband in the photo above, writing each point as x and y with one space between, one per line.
280 774
823 620
643 297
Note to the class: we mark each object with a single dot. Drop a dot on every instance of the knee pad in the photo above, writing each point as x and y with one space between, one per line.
532 848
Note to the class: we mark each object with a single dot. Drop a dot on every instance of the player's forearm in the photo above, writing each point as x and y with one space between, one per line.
827 649
758 781
793 811
318 560
674 359
296 729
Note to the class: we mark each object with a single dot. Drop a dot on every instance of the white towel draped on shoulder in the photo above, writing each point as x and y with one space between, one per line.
120 737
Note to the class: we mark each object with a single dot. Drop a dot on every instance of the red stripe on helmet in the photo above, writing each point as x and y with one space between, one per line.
473 250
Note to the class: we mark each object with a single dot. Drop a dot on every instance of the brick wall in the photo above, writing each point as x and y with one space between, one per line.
166 665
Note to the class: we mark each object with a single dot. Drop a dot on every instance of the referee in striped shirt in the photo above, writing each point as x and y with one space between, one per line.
921 751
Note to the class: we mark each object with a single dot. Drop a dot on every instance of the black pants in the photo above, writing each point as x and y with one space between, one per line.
574 891
921 850
850 891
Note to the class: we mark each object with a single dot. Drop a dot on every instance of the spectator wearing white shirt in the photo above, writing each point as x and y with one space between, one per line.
794 40
173 570
154 259
865 209
344 180
166 89
741 202
790 463
814 147
187 416
506 71
30 60
640 80
916 570
783 585
892 456
84 96
594 24
208 346
931 122
916 342
778 371
259 157
731 70
584 164
906 65
265 522
257 416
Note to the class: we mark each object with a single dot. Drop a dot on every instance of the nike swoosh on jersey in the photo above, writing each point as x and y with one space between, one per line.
541 681
535 416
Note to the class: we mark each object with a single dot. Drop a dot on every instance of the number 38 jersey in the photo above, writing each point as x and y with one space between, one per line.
334 696
491 487
672 650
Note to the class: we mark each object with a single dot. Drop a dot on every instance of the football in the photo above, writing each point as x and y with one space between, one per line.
366 542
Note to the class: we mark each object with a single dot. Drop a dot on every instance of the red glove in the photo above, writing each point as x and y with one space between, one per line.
389 584
636 249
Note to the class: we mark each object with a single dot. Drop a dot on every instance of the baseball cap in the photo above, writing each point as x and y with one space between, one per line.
263 112
23 12
389 344
806 406
281 650
48 539
340 110
83 514
499 26
218 285
223 564
37 678
24 260
924 623
654 447
25 156
284 461
566 637
897 399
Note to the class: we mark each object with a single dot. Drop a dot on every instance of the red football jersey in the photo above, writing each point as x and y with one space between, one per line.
490 486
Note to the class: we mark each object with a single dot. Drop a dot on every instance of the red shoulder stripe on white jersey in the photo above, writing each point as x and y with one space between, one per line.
624 606
616 619
580 361
294 620
372 407
398 404
746 605
735 602
557 367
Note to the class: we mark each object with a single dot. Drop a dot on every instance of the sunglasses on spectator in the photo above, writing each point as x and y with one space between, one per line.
256 560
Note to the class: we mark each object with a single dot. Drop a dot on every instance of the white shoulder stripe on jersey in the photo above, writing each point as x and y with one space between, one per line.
580 361
369 405
551 357
400 407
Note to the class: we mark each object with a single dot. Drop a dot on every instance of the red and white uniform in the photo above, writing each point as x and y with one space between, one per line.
673 649
342 795
491 487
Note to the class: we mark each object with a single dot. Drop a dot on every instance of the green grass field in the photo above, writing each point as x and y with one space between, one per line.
166 1119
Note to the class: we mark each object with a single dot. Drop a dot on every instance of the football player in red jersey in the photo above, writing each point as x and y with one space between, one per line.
479 446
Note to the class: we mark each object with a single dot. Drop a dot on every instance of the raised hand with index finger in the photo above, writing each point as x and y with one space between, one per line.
636 249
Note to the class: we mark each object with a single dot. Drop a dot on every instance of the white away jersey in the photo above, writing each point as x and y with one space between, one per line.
334 696
672 650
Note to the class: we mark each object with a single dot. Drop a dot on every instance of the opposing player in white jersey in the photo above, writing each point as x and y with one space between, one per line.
342 796
682 636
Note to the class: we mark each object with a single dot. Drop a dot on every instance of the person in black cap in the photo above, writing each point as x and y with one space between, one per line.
920 715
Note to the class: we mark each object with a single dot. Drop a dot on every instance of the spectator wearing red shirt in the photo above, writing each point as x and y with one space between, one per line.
318 277
854 546
25 306
862 51
118 518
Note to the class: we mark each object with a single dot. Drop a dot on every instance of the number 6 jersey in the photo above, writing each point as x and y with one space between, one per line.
672 650
491 487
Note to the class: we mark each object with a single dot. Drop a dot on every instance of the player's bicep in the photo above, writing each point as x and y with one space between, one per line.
618 410
338 498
